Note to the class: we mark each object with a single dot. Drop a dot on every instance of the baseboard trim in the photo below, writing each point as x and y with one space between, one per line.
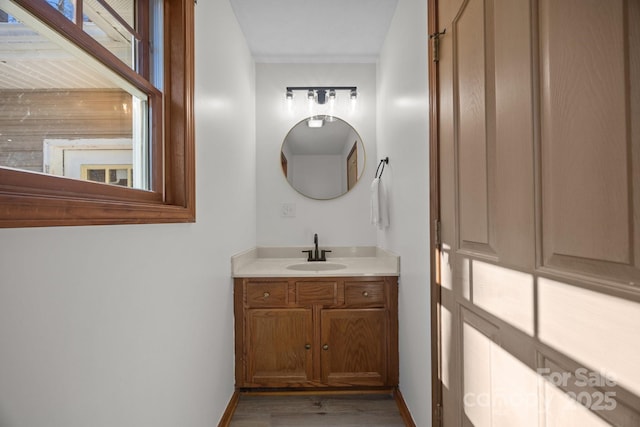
316 391
231 409
404 410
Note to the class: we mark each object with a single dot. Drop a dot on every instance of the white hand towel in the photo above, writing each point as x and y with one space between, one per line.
383 206
375 203
378 204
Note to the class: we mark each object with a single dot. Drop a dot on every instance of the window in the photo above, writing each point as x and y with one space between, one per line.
96 112
109 174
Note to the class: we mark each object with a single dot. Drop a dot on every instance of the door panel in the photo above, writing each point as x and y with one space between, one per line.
514 132
277 353
539 156
584 118
354 347
568 314
472 148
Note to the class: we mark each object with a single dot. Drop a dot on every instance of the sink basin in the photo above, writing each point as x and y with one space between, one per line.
316 266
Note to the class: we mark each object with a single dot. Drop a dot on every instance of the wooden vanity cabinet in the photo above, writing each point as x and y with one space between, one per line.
316 332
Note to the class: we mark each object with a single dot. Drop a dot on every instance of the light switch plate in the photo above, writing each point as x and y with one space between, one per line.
288 210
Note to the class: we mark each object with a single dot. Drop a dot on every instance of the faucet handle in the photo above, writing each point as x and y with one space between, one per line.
323 257
309 252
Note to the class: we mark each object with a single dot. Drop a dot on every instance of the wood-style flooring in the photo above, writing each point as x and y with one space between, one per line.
317 410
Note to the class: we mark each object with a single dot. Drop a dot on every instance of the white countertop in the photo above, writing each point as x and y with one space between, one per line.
273 262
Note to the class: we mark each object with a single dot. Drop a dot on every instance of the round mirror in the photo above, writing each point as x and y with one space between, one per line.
322 157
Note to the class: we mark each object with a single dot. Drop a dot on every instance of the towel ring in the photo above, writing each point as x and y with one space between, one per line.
383 162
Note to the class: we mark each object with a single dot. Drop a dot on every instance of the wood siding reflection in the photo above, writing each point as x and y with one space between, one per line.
27 118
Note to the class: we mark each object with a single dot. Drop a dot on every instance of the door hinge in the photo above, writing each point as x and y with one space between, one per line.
437 228
435 38
438 410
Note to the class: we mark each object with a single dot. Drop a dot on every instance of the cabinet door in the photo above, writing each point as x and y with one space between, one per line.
354 347
278 347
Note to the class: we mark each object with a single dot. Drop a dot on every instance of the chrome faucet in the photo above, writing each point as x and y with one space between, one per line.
314 254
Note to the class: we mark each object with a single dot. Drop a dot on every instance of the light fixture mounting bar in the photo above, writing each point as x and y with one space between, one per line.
322 87
320 92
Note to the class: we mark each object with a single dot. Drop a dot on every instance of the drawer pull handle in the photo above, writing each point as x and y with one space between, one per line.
266 295
365 294
325 347
307 346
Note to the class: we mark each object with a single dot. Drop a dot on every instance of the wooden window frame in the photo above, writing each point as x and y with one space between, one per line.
36 200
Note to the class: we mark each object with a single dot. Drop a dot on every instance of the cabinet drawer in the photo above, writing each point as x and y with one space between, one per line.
267 294
371 293
317 293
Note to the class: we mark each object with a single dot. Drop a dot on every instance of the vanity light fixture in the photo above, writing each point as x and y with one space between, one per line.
319 93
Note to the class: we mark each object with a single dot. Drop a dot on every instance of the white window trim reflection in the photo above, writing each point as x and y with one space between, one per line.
54 155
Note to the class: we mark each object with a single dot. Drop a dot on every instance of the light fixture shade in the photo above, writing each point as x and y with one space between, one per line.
354 94
315 122
289 94
332 94
311 94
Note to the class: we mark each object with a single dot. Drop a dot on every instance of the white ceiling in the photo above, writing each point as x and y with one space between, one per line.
330 139
314 31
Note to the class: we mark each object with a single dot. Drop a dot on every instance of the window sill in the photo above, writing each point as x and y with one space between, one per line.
47 211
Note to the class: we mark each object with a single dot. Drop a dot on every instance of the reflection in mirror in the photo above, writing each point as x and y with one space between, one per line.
322 157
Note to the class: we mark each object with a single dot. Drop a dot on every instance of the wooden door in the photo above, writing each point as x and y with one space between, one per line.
278 347
539 183
352 166
285 165
354 347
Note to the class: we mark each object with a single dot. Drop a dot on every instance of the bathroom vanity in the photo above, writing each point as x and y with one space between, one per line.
306 325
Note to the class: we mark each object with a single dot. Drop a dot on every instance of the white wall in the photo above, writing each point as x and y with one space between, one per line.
339 222
318 176
132 325
403 136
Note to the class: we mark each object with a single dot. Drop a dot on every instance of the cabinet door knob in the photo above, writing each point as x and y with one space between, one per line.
307 346
266 294
325 347
365 293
